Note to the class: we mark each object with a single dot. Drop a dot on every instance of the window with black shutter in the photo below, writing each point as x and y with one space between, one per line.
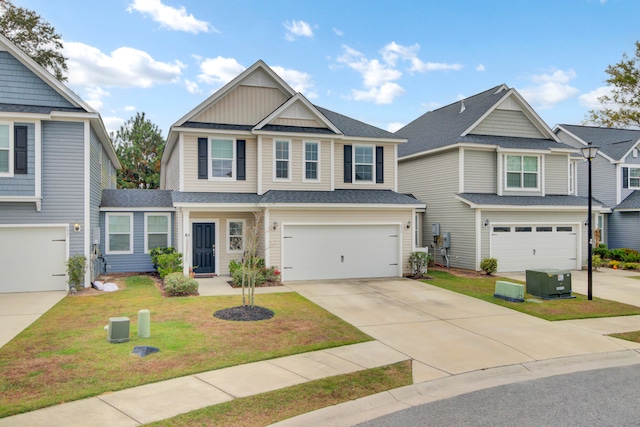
241 169
348 163
20 147
379 165
202 159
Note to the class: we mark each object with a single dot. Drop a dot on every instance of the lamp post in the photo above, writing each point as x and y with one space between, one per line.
589 152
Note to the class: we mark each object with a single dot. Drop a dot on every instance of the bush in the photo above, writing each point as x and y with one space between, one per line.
234 266
419 261
270 274
169 263
602 252
178 285
76 267
596 262
489 265
616 264
156 252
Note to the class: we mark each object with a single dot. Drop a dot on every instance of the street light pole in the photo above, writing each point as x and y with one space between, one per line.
589 152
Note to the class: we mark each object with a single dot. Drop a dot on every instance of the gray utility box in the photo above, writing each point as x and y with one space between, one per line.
549 283
118 330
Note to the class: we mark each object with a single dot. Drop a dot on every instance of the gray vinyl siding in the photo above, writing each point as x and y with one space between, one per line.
62 183
434 180
18 184
138 261
556 174
480 171
18 85
624 230
630 160
507 123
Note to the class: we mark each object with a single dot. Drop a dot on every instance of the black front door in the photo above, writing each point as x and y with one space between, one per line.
204 240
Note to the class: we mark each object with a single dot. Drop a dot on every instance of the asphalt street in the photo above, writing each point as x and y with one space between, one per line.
604 397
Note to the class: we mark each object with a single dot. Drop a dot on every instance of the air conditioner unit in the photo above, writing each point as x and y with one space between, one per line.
118 330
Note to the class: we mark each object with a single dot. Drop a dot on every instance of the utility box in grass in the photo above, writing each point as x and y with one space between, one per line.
549 284
118 330
508 291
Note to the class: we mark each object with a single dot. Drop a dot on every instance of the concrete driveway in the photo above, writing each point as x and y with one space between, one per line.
19 310
448 333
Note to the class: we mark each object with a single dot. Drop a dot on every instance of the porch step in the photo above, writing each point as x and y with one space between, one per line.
204 275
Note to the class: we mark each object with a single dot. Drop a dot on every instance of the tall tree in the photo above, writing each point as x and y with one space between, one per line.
139 146
622 107
34 36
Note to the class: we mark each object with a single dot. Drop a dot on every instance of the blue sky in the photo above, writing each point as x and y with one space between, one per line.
382 62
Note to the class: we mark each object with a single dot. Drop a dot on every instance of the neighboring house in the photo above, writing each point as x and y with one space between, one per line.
615 179
324 187
55 159
498 182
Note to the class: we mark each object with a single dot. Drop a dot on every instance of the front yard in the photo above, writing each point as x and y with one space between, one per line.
65 355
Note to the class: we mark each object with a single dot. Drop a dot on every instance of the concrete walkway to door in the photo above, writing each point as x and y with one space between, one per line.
19 310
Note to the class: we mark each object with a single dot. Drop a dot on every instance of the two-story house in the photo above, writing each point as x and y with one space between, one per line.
497 182
55 159
615 179
324 186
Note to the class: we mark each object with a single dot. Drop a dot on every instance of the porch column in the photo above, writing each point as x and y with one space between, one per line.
186 248
267 238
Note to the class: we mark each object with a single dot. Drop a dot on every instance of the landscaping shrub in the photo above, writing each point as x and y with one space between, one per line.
270 274
616 264
156 252
169 263
419 261
631 266
596 262
602 251
489 265
234 266
625 255
76 267
178 285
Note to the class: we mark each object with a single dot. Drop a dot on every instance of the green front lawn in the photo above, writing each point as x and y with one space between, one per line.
560 309
65 355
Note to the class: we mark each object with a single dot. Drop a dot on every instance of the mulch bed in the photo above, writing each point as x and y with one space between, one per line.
244 313
264 285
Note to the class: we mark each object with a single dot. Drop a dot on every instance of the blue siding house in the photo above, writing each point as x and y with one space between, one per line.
55 159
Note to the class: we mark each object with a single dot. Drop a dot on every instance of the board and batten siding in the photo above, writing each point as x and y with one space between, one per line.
296 166
192 183
19 85
438 192
23 184
339 216
480 171
62 183
507 123
389 167
629 159
246 105
556 174
623 230
529 217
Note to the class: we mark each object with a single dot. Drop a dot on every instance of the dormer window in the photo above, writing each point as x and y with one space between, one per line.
522 172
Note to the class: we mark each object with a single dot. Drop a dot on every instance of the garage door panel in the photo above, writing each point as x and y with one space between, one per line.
313 252
33 259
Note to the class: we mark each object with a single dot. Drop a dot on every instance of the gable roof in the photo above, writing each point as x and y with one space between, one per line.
452 123
125 198
614 143
298 98
630 203
81 107
356 128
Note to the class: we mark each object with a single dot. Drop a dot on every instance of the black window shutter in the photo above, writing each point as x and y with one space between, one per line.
379 165
348 162
20 146
202 159
241 169
625 177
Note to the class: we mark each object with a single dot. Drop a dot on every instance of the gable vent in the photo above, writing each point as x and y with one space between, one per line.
259 78
297 111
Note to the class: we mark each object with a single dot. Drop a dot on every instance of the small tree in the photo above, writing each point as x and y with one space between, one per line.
76 268
251 264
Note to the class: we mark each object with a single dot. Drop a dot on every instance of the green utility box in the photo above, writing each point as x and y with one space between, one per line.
549 284
508 291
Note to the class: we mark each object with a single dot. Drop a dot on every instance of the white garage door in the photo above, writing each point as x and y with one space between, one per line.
32 259
312 252
537 246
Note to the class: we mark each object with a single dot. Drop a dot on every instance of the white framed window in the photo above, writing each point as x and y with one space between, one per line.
119 232
157 230
311 164
6 149
522 172
282 160
363 163
222 155
572 167
235 235
634 177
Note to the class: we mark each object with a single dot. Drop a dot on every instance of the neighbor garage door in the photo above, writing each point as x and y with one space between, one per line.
537 246
312 252
32 259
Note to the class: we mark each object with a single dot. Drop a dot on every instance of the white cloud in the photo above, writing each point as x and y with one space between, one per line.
129 108
298 80
219 70
394 126
113 123
297 29
480 67
338 32
384 94
393 51
430 106
170 17
590 99
192 87
550 89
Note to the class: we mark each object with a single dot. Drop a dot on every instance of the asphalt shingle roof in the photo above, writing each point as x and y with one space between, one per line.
442 127
513 142
339 196
494 199
615 143
631 202
297 129
136 199
353 127
37 109
206 197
